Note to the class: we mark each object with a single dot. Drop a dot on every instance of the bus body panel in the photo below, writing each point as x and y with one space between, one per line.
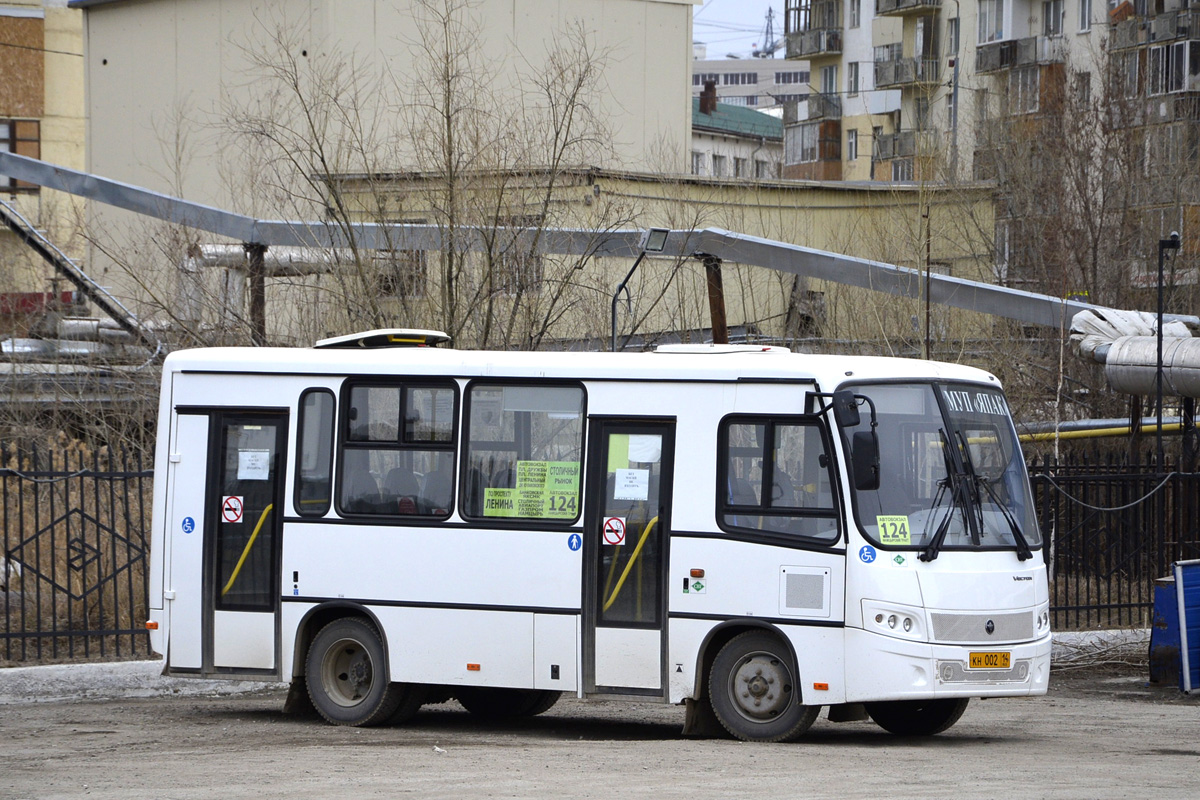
185 521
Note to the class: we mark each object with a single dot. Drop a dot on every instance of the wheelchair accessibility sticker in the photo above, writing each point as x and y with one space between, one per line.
867 554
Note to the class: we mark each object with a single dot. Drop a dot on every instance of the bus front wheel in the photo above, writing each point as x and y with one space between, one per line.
346 677
917 717
754 690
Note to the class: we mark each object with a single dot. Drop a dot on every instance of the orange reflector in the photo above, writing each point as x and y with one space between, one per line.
821 687
472 668
151 625
697 573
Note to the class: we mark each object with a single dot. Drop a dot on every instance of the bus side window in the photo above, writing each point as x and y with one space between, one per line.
775 478
524 451
314 455
398 451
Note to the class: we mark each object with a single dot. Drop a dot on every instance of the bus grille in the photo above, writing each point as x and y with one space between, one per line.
972 628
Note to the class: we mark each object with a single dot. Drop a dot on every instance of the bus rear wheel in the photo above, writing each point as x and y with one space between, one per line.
917 717
501 703
754 690
347 680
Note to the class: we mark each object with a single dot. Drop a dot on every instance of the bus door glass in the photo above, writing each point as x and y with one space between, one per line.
628 534
245 493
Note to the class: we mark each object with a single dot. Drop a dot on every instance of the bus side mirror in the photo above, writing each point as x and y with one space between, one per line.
865 460
845 409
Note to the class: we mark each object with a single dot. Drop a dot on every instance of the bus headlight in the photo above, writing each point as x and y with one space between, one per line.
1042 621
893 619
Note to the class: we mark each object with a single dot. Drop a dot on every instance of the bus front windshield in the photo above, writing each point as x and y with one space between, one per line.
951 475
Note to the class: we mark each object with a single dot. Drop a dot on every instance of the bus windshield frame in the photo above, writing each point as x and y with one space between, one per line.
951 473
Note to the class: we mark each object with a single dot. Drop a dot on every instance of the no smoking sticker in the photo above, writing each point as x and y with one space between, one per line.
614 530
231 508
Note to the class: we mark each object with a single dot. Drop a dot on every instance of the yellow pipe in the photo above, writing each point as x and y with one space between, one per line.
1096 433
637 551
246 550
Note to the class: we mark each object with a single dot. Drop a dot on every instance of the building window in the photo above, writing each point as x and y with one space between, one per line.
401 273
698 162
876 137
740 78
1167 68
991 21
851 145
701 78
1023 90
902 169
1052 17
23 137
741 167
829 82
855 13
921 113
952 30
852 78
751 99
1085 16
803 143
720 166
791 77
762 169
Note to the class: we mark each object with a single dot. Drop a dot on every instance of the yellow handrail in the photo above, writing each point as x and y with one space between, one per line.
246 550
637 551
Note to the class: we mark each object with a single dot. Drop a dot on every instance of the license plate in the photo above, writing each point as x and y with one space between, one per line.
989 660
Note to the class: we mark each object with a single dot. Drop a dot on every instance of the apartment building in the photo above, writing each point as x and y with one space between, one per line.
904 87
751 82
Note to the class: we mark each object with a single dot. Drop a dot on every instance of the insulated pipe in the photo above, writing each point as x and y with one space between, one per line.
1131 366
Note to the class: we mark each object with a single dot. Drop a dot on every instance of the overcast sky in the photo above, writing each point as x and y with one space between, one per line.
735 27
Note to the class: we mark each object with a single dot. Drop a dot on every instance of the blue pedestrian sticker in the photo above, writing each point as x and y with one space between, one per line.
575 541
189 524
867 554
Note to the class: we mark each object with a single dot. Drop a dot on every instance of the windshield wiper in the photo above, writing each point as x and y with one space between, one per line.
1023 551
953 480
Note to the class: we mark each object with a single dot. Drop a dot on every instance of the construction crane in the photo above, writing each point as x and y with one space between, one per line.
772 44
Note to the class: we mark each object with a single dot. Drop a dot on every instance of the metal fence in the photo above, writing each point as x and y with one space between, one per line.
73 576
73 568
1113 528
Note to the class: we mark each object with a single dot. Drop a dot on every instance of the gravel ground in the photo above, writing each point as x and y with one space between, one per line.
113 730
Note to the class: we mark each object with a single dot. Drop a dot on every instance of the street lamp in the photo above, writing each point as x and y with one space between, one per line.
1163 246
653 240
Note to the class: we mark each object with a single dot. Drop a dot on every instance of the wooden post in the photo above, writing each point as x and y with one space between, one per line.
255 254
716 299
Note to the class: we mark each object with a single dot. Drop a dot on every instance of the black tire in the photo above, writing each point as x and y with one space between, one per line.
504 703
917 717
755 690
347 676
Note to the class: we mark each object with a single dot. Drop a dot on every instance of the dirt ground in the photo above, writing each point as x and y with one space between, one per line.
1097 734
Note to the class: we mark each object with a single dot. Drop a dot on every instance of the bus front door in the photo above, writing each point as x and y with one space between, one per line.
626 544
245 493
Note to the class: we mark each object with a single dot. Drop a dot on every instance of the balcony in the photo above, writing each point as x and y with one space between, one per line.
814 44
824 106
894 8
1175 25
1128 33
906 72
1177 107
905 144
1025 52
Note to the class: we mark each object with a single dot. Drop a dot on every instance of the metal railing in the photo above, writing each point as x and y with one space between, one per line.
1111 530
73 566
906 72
887 7
821 42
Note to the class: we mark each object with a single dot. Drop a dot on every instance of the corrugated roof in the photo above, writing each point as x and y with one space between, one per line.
737 121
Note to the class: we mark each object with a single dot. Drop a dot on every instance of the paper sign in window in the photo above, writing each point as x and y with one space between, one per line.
254 465
632 484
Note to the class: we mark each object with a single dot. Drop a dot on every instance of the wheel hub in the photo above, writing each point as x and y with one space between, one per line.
761 687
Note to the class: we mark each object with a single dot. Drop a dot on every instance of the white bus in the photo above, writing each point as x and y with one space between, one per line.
752 532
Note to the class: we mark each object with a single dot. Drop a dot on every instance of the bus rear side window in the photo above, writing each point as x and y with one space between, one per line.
776 478
524 451
398 452
314 455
